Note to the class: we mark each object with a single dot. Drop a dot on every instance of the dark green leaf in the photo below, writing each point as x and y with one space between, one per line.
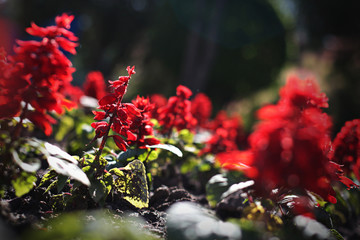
47 177
215 187
336 234
129 154
97 190
61 182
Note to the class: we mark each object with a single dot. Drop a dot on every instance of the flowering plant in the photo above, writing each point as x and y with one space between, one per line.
148 154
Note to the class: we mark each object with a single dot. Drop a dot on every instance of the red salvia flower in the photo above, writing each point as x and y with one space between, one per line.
141 125
12 84
201 108
94 85
291 145
40 72
130 121
346 147
159 101
227 134
177 113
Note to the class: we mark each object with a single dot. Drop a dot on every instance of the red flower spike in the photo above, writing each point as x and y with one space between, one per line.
94 85
346 147
291 145
40 73
126 119
201 108
177 112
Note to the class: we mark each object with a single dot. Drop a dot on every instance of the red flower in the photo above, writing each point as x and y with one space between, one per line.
141 125
177 113
39 73
201 108
346 147
227 134
159 101
12 84
131 121
291 145
94 85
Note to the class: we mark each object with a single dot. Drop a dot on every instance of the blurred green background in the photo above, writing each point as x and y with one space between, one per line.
237 52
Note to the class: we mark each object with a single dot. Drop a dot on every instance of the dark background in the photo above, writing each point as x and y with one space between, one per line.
237 52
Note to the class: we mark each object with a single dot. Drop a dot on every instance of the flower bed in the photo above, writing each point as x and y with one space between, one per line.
82 163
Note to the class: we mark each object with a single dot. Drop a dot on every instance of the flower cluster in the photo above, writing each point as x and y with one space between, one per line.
201 108
177 112
291 145
142 126
131 124
38 74
346 147
94 85
226 134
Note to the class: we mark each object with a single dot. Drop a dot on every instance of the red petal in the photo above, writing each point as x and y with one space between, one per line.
99 115
41 120
120 142
67 45
108 99
348 182
151 141
132 109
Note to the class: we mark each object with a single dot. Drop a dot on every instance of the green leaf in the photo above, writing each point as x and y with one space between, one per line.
47 177
131 182
336 234
97 190
51 186
168 147
23 184
130 153
61 182
215 187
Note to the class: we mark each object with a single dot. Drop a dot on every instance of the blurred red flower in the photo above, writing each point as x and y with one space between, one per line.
227 134
291 145
94 85
159 101
346 147
201 108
